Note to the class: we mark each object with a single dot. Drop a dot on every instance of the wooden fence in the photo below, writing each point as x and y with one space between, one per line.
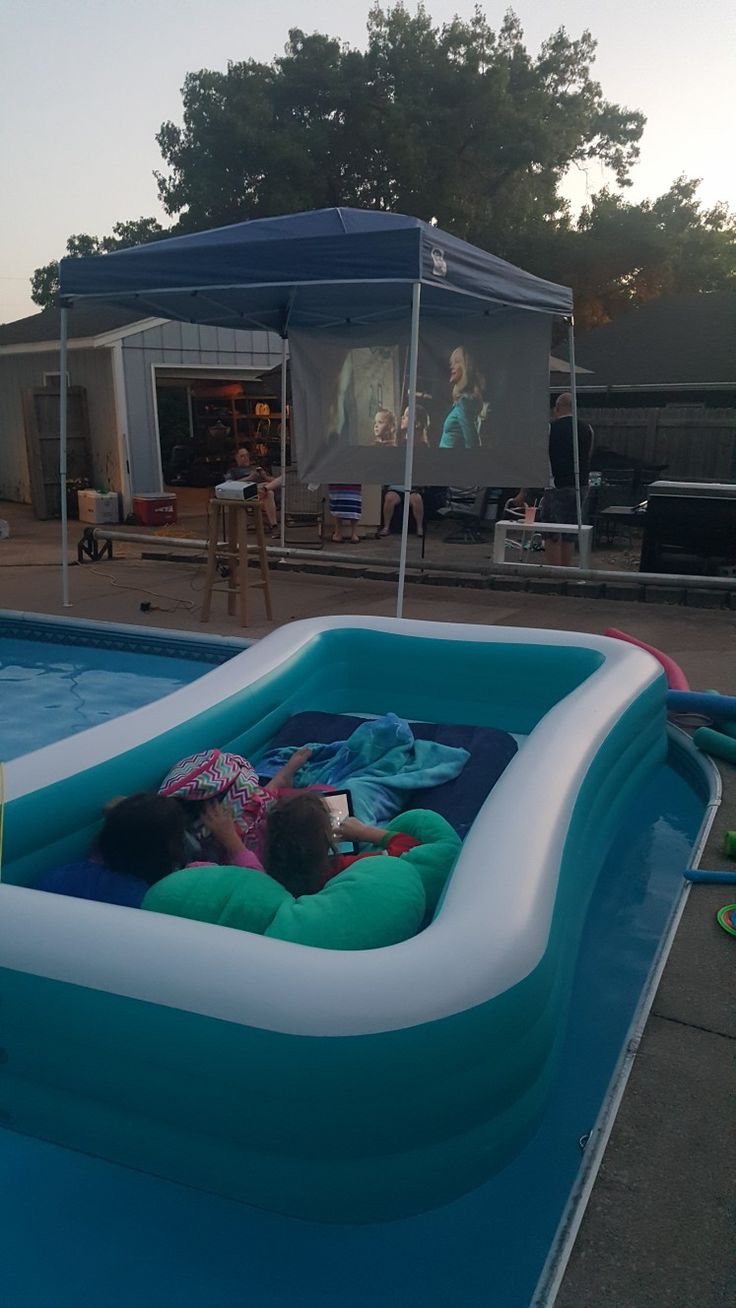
695 442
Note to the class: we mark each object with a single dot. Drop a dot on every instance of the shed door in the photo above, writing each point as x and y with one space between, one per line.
41 418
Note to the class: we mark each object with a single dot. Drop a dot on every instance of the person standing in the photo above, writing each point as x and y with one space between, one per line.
346 507
559 502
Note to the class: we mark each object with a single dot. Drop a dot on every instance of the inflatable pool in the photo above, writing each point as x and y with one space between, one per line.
338 1086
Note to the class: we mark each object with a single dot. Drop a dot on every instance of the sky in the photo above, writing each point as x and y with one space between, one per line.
86 84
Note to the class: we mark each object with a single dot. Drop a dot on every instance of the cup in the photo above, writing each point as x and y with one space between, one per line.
530 512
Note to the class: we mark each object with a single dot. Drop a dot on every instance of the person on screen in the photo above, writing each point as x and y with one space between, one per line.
421 426
384 427
461 428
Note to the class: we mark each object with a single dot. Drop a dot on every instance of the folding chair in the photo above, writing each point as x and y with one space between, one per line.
468 506
304 508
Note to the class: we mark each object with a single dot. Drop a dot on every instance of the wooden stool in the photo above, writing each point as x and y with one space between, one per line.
235 514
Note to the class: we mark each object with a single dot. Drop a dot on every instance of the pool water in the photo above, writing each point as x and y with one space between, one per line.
51 689
114 1237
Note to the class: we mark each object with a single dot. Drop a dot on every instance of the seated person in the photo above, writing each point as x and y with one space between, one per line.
394 495
393 498
143 839
245 470
231 781
300 843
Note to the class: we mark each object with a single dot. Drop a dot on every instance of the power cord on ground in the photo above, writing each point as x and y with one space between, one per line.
147 607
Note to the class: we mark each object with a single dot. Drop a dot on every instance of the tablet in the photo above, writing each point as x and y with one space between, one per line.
339 805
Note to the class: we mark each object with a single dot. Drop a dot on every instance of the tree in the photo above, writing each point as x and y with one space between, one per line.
456 121
45 280
621 254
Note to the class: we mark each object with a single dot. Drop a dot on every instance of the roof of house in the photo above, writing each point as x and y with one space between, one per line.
677 340
85 321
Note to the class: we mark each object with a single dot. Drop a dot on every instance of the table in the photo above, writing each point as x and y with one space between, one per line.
615 514
504 527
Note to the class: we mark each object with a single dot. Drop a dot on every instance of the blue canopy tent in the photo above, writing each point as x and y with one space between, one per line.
308 270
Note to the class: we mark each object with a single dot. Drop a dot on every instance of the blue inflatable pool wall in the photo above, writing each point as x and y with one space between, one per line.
344 1087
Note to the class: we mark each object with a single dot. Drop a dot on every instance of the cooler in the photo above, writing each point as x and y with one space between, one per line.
97 507
154 509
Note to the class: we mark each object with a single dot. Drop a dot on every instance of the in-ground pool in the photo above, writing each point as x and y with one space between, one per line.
114 1236
59 677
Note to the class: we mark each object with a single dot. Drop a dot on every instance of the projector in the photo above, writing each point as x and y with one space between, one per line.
236 490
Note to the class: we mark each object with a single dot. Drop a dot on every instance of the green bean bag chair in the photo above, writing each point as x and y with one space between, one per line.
378 901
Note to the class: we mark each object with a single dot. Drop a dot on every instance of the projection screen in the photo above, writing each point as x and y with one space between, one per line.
482 401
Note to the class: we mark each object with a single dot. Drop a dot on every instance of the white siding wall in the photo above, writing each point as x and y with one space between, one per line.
88 368
171 345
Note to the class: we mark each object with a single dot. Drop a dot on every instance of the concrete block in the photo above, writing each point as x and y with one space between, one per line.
621 591
705 599
584 589
545 586
664 594
510 583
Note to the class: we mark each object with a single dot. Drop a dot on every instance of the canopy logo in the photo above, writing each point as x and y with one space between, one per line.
439 262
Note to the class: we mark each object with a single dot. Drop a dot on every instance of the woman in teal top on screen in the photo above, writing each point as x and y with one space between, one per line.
461 428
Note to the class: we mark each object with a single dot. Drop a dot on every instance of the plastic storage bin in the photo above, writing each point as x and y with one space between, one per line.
97 507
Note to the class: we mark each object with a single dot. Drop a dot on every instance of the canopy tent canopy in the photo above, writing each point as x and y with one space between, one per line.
349 270
308 270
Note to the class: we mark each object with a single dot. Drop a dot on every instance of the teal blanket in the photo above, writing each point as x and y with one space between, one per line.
381 764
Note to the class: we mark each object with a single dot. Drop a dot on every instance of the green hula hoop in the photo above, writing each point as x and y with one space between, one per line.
726 918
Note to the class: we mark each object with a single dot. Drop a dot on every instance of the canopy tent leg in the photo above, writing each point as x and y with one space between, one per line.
574 394
409 461
63 415
283 441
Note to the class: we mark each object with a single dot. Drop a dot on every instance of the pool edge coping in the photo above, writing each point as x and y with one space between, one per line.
563 1242
186 641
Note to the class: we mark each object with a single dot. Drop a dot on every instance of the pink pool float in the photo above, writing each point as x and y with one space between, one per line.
676 679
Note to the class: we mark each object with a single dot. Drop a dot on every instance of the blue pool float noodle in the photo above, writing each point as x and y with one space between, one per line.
722 708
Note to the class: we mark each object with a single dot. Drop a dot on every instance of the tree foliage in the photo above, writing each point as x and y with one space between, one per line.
620 254
456 121
45 280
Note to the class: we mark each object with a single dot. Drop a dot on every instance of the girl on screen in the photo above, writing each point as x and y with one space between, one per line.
421 426
384 427
461 428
